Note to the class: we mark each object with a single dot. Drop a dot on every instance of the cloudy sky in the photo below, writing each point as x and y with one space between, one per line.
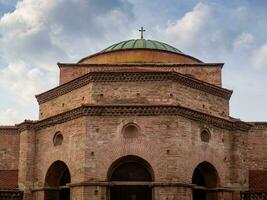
36 34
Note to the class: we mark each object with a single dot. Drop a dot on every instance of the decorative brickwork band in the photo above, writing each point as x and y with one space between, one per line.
26 125
259 125
131 77
135 110
8 129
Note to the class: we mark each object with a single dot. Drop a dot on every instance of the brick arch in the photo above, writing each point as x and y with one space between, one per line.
127 159
219 170
209 172
139 148
205 175
55 173
215 160
42 173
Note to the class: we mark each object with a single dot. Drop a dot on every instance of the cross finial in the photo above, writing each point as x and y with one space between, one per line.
142 32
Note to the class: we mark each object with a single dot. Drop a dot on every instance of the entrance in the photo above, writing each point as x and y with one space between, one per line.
131 177
205 177
56 180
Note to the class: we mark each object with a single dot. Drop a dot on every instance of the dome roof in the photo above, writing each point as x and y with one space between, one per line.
139 51
141 44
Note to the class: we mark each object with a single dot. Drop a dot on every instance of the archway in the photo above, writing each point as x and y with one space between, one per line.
56 180
131 177
205 177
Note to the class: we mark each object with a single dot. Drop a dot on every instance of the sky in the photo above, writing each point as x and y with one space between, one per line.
36 34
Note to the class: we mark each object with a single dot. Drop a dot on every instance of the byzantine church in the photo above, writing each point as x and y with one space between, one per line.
139 120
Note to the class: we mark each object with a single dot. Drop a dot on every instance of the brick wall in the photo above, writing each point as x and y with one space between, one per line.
66 102
9 155
71 151
92 144
165 142
8 179
210 74
257 146
138 56
257 157
9 148
146 93
258 180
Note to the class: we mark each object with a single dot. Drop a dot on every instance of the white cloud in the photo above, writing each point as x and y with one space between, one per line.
243 41
197 33
186 30
27 19
9 117
24 83
259 59
42 32
210 33
39 33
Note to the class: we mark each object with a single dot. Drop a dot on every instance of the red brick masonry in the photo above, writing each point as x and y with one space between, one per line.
8 179
258 180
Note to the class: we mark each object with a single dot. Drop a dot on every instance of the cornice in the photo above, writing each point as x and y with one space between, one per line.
26 125
259 125
130 77
156 65
135 110
8 129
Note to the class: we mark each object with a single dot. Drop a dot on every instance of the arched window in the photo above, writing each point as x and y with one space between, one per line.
58 139
205 136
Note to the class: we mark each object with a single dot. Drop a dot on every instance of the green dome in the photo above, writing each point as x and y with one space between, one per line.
141 44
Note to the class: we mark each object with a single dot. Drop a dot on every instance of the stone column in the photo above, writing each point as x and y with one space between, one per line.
26 158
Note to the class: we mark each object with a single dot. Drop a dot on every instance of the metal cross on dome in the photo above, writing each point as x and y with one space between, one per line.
142 32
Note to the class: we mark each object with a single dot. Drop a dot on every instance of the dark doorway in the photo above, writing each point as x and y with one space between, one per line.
57 178
131 176
130 193
205 177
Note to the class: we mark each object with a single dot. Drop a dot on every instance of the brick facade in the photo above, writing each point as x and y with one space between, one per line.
9 155
167 111
258 180
208 72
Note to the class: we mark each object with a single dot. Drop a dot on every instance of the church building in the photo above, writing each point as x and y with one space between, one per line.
139 120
